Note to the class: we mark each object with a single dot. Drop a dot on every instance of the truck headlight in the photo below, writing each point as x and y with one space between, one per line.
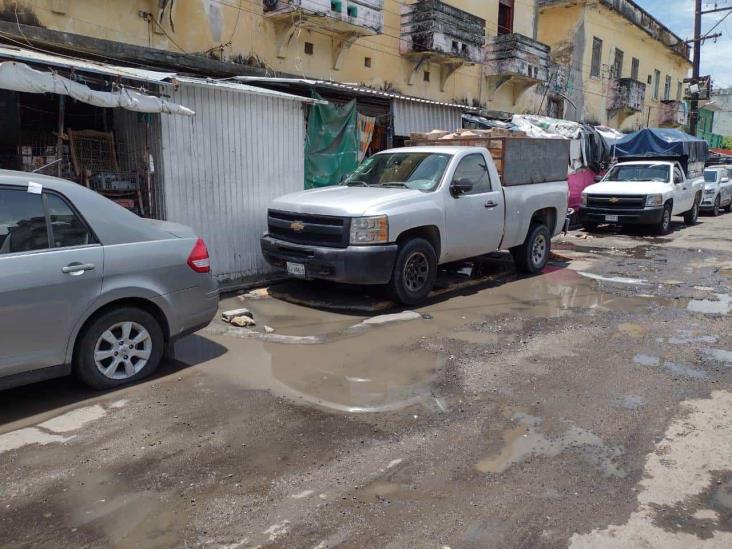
710 190
583 199
654 200
370 230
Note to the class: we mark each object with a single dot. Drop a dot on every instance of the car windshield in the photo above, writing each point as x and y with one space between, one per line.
412 170
710 176
640 172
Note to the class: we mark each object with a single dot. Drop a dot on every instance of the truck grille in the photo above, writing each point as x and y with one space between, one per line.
313 230
613 202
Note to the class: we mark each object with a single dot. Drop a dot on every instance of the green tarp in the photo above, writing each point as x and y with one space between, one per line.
331 147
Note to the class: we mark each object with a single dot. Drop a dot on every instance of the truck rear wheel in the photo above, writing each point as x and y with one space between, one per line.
533 255
716 209
415 272
691 217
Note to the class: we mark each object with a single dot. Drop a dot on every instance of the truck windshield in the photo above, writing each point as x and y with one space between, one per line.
640 172
710 176
412 170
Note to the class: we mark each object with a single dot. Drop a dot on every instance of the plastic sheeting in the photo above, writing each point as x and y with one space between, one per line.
658 142
332 144
22 78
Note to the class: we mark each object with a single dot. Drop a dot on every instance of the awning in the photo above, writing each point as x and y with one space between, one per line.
55 60
243 88
415 117
20 77
352 88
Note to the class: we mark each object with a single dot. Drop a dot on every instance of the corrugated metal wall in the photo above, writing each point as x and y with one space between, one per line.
412 116
224 165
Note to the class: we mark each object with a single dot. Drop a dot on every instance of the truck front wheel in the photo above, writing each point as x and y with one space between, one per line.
415 272
664 226
533 255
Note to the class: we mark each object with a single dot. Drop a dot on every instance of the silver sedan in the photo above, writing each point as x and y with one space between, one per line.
89 287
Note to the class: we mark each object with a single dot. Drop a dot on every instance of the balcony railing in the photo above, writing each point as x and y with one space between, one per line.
672 114
341 16
516 56
627 95
434 27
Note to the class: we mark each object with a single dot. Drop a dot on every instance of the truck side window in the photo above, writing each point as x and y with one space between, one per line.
678 178
474 168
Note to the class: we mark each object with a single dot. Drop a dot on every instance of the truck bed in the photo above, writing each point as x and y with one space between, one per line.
519 160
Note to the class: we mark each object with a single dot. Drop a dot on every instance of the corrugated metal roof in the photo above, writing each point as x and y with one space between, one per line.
32 56
351 88
411 117
244 88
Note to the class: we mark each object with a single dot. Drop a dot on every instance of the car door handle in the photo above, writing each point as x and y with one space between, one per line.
78 268
490 204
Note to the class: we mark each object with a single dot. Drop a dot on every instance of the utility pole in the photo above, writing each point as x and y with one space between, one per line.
697 43
694 110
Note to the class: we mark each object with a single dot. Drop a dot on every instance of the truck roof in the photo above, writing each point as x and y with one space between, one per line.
649 161
445 149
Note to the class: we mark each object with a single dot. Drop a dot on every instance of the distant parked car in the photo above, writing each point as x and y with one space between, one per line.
717 190
89 287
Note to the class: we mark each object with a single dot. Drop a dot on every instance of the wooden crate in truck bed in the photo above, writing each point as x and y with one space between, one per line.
519 160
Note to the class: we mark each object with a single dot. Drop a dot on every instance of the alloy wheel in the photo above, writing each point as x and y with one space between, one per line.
538 249
416 272
123 350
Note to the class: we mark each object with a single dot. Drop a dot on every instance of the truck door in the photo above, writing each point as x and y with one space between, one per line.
683 192
474 210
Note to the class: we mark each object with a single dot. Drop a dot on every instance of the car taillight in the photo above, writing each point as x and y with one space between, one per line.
198 259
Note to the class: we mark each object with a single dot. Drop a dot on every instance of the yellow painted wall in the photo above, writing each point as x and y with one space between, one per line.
564 28
239 25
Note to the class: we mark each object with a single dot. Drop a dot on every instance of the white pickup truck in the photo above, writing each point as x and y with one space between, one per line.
405 211
642 192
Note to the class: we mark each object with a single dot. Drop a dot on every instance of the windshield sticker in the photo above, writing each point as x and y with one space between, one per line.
35 188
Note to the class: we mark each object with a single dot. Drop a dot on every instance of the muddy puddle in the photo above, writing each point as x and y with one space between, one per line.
354 367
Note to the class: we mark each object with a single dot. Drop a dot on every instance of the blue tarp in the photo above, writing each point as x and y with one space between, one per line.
662 142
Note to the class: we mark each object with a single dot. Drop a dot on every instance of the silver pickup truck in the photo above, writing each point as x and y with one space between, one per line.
405 211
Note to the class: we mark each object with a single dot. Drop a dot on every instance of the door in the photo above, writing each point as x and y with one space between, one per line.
474 216
52 268
725 186
683 192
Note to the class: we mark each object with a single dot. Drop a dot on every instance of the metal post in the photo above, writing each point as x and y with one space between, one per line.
60 136
694 107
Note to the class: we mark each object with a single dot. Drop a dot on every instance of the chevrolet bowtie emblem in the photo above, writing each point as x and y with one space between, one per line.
614 200
297 226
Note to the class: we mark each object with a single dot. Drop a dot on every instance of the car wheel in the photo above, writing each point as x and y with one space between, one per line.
691 217
119 347
415 272
728 207
664 226
716 208
533 255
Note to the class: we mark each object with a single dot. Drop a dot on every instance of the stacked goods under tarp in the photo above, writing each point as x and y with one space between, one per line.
509 150
667 144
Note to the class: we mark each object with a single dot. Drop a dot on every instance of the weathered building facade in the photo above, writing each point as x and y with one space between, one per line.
472 52
619 65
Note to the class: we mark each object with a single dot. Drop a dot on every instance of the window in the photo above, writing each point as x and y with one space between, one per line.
596 57
309 48
474 169
420 171
367 62
667 88
634 66
22 222
679 90
650 79
618 64
639 172
678 176
66 227
426 76
505 16
656 82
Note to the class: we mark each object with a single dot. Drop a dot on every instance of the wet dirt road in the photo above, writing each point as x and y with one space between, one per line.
590 406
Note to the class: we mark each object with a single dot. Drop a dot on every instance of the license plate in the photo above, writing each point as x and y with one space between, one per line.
611 218
295 269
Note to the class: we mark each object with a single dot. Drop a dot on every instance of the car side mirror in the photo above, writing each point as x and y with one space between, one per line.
598 178
461 186
725 180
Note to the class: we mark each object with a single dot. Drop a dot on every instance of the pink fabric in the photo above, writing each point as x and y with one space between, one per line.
578 181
